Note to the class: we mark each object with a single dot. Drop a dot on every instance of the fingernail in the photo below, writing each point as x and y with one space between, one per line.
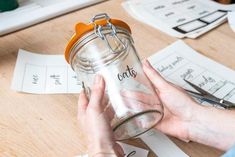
97 79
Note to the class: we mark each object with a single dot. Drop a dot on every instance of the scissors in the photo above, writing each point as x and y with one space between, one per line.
206 96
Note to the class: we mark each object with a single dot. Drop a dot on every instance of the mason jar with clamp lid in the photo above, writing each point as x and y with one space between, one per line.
105 47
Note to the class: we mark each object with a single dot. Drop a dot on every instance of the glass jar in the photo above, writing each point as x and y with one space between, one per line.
105 47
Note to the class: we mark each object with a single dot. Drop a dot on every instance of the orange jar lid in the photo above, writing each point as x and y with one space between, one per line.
82 29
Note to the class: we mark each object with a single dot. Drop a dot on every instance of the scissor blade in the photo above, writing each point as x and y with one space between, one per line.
200 90
213 100
201 96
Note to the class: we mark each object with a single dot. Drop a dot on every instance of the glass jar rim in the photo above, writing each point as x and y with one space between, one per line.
100 20
92 36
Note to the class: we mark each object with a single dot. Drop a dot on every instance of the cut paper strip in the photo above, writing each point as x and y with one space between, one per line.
129 151
44 74
161 145
231 20
180 19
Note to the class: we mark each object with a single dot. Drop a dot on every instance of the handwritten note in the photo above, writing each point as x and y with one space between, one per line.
44 74
178 62
179 18
130 151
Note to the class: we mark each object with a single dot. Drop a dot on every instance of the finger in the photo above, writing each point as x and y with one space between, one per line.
143 121
139 96
82 103
97 94
105 101
109 111
135 106
118 150
157 80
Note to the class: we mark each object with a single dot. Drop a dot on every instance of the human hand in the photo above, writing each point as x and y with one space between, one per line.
187 120
179 108
95 122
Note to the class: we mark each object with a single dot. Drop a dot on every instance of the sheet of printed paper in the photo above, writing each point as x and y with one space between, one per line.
129 151
231 20
161 145
179 61
44 74
34 11
35 73
179 18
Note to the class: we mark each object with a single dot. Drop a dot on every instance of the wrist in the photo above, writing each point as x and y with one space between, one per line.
196 121
98 149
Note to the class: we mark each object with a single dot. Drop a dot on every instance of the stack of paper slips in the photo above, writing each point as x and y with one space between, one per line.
179 18
31 12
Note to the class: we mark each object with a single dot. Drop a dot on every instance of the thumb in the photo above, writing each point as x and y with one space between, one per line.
158 81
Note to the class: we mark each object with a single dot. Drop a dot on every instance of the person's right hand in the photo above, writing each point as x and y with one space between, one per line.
179 108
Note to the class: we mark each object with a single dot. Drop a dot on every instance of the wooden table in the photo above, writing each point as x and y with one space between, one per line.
46 125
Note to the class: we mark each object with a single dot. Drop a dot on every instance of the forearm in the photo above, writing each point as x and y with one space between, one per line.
213 127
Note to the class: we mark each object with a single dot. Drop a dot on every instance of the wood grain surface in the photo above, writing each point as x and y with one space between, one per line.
46 125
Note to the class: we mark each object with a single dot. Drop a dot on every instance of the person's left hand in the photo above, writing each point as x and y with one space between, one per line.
96 122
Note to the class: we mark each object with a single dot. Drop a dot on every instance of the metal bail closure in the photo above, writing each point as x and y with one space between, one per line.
98 31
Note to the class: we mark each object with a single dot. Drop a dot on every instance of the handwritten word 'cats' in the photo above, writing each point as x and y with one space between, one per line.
130 72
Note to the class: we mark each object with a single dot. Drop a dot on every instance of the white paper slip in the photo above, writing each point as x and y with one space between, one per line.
44 74
179 61
130 151
190 18
231 20
34 11
161 145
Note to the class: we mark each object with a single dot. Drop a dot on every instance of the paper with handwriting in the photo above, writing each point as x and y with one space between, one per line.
47 74
179 18
129 151
179 61
44 74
